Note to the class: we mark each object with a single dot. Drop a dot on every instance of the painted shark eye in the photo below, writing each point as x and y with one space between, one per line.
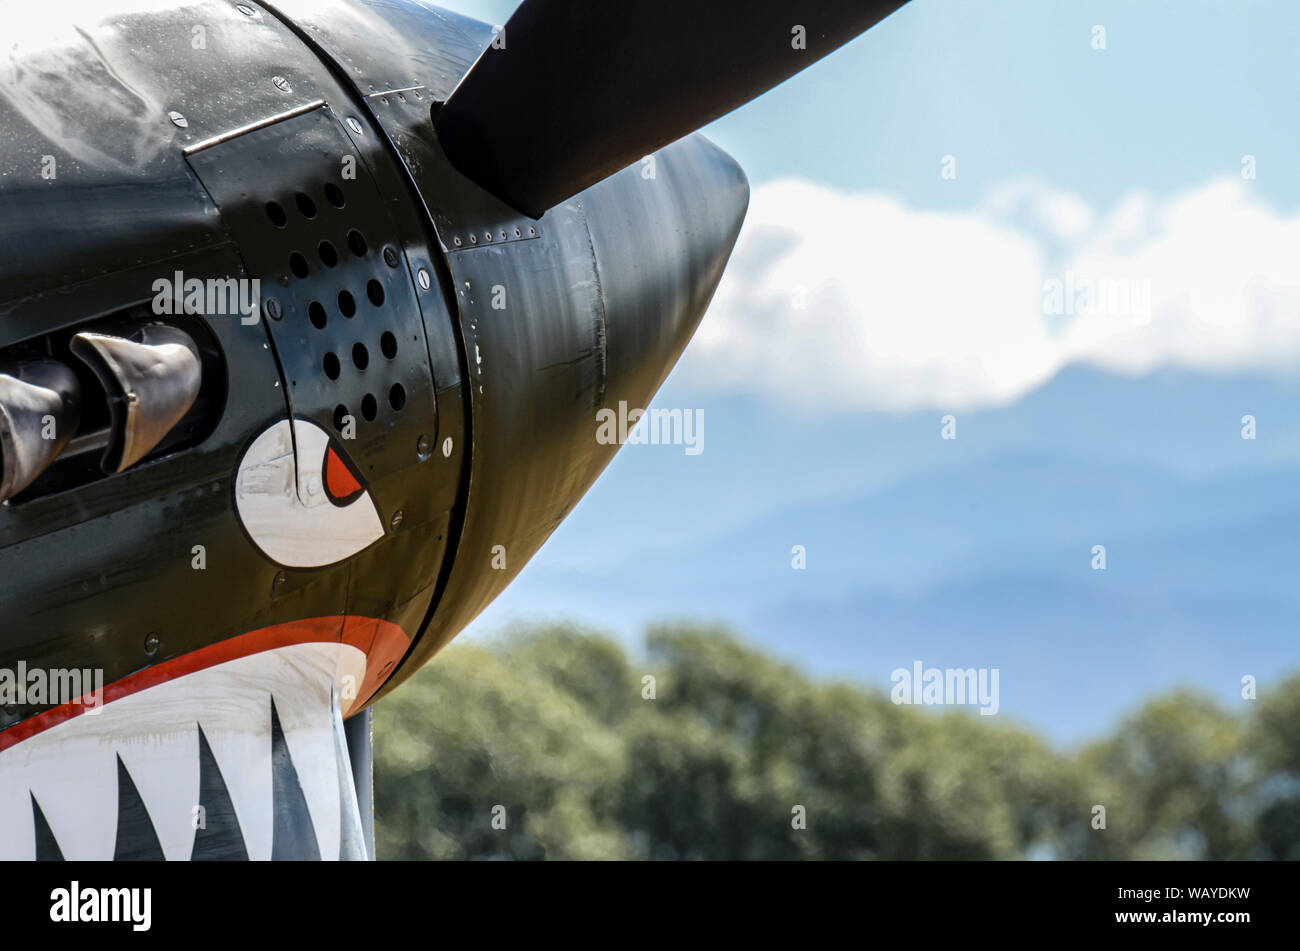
301 499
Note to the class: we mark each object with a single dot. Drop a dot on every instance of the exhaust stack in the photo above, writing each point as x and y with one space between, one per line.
40 407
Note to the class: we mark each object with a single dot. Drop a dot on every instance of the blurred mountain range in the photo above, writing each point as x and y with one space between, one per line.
970 552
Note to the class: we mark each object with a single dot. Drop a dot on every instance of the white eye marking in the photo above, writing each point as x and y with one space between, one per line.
284 508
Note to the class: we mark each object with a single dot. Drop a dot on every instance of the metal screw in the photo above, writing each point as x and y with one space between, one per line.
446 447
272 308
396 520
245 10
178 120
423 448
281 84
151 643
390 256
423 277
278 582
355 126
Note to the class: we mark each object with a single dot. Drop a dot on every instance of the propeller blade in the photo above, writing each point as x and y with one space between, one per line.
574 90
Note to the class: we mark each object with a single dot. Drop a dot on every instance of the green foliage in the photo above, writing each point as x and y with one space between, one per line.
473 731
1175 778
557 727
1276 735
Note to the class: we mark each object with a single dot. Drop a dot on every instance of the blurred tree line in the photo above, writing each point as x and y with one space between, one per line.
553 724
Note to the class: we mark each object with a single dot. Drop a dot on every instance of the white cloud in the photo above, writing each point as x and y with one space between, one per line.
857 301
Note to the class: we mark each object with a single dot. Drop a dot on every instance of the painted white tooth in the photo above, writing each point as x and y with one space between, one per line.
164 765
349 675
307 720
347 786
238 728
74 778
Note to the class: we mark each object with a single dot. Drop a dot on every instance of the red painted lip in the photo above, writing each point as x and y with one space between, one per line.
383 643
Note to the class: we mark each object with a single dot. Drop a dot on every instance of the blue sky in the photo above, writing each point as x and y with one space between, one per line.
1016 91
869 296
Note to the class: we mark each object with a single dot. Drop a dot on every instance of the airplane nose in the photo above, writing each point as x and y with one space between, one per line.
662 232
596 313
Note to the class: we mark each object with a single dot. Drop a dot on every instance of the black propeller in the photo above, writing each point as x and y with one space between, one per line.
577 89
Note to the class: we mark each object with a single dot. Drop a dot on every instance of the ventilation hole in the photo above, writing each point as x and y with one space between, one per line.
334 195
332 367
357 242
298 264
328 256
316 312
276 214
305 205
397 397
360 356
369 408
347 304
339 412
375 291
388 344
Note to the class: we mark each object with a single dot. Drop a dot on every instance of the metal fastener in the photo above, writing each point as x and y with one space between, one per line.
390 256
446 447
245 10
281 84
272 308
178 120
151 643
423 277
396 520
355 126
423 448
